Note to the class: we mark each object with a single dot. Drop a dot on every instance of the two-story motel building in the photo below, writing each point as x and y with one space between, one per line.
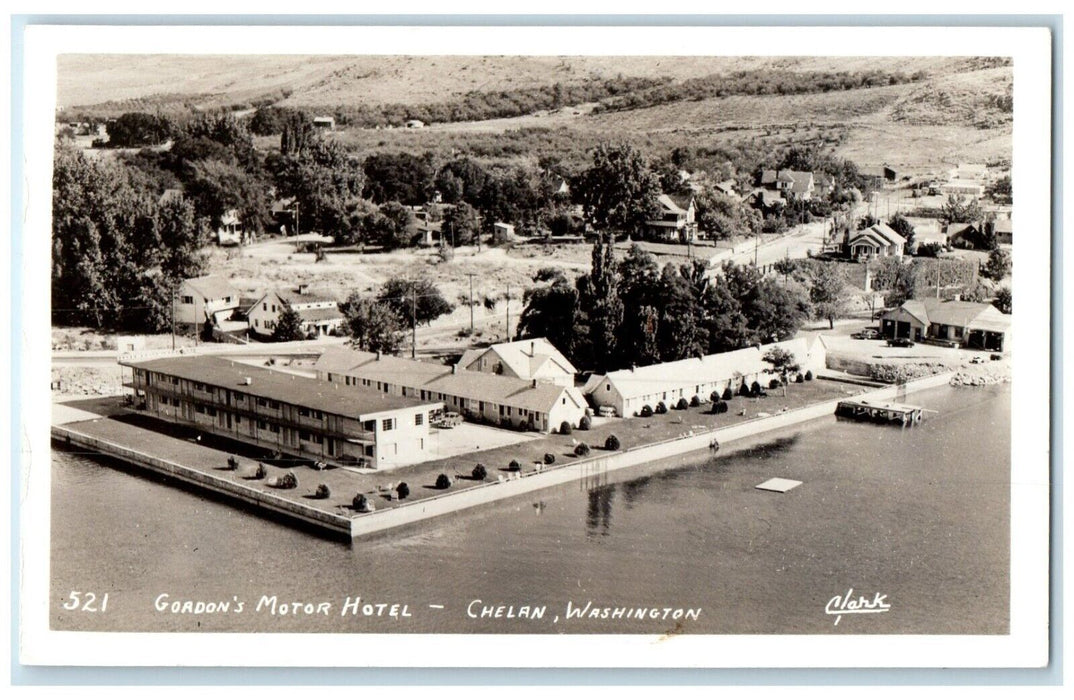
295 415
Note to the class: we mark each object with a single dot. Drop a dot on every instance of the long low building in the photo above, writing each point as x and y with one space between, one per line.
964 323
481 396
628 390
298 416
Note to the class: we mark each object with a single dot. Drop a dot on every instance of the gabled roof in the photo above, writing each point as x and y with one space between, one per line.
965 314
682 201
668 204
524 357
955 229
1003 226
884 233
669 376
279 386
212 287
290 296
478 386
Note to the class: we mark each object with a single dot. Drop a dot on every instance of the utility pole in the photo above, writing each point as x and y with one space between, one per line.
507 306
414 323
471 276
173 319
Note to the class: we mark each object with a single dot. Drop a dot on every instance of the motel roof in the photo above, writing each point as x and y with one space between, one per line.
284 387
477 386
523 357
964 314
668 376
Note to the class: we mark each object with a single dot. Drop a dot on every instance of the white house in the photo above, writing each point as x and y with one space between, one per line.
320 315
535 358
629 390
201 298
327 123
676 222
230 231
877 241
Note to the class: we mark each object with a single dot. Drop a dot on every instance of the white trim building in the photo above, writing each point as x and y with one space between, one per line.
201 298
628 390
535 358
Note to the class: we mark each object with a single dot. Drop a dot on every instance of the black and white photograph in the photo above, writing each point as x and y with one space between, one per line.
632 352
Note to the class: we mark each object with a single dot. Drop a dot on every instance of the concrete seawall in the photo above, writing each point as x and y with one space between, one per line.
265 501
596 467
593 468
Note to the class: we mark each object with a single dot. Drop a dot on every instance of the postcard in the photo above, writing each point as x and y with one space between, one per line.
691 347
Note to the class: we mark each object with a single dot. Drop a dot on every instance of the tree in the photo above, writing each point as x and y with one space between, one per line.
998 265
679 334
391 226
414 301
1003 300
958 211
551 311
828 292
136 129
783 363
1000 191
400 177
461 226
900 225
288 326
722 216
374 327
619 190
605 308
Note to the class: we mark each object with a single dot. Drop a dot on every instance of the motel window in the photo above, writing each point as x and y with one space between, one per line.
369 425
419 419
188 300
274 428
387 424
261 425
305 436
481 406
564 401
198 408
368 450
262 402
264 307
304 412
607 387
239 396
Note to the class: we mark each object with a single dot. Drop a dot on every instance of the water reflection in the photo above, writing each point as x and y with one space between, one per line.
598 517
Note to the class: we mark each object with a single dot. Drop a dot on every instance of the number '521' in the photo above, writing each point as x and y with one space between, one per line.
86 602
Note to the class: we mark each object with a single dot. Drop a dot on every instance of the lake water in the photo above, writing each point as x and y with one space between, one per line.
918 515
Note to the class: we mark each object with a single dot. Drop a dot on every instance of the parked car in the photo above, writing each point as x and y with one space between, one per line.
449 420
866 334
900 343
977 360
606 412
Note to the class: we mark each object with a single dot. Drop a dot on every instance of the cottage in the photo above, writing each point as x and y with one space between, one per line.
1004 234
506 401
230 230
876 241
965 235
502 231
202 298
792 184
298 416
535 358
676 222
961 187
326 123
629 390
961 323
320 315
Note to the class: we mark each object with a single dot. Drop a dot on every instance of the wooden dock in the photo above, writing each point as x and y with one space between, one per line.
903 414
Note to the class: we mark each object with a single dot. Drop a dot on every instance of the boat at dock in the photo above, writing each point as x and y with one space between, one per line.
903 414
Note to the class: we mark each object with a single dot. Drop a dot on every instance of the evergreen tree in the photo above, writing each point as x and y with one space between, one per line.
605 306
288 326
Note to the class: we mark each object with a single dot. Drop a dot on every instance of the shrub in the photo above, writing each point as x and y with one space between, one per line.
695 401
715 396
612 443
360 503
515 465
755 388
682 404
661 408
261 473
646 411
505 422
443 481
322 491
581 450
799 379
774 384
565 428
549 458
728 394
585 423
809 375
232 463
402 490
721 407
744 389
287 481
479 472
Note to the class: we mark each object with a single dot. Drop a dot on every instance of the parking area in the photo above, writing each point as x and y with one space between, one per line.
471 437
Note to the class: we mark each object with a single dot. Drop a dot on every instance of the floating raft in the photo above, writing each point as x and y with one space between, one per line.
880 412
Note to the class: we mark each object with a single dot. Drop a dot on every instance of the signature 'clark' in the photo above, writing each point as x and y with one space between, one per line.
849 605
